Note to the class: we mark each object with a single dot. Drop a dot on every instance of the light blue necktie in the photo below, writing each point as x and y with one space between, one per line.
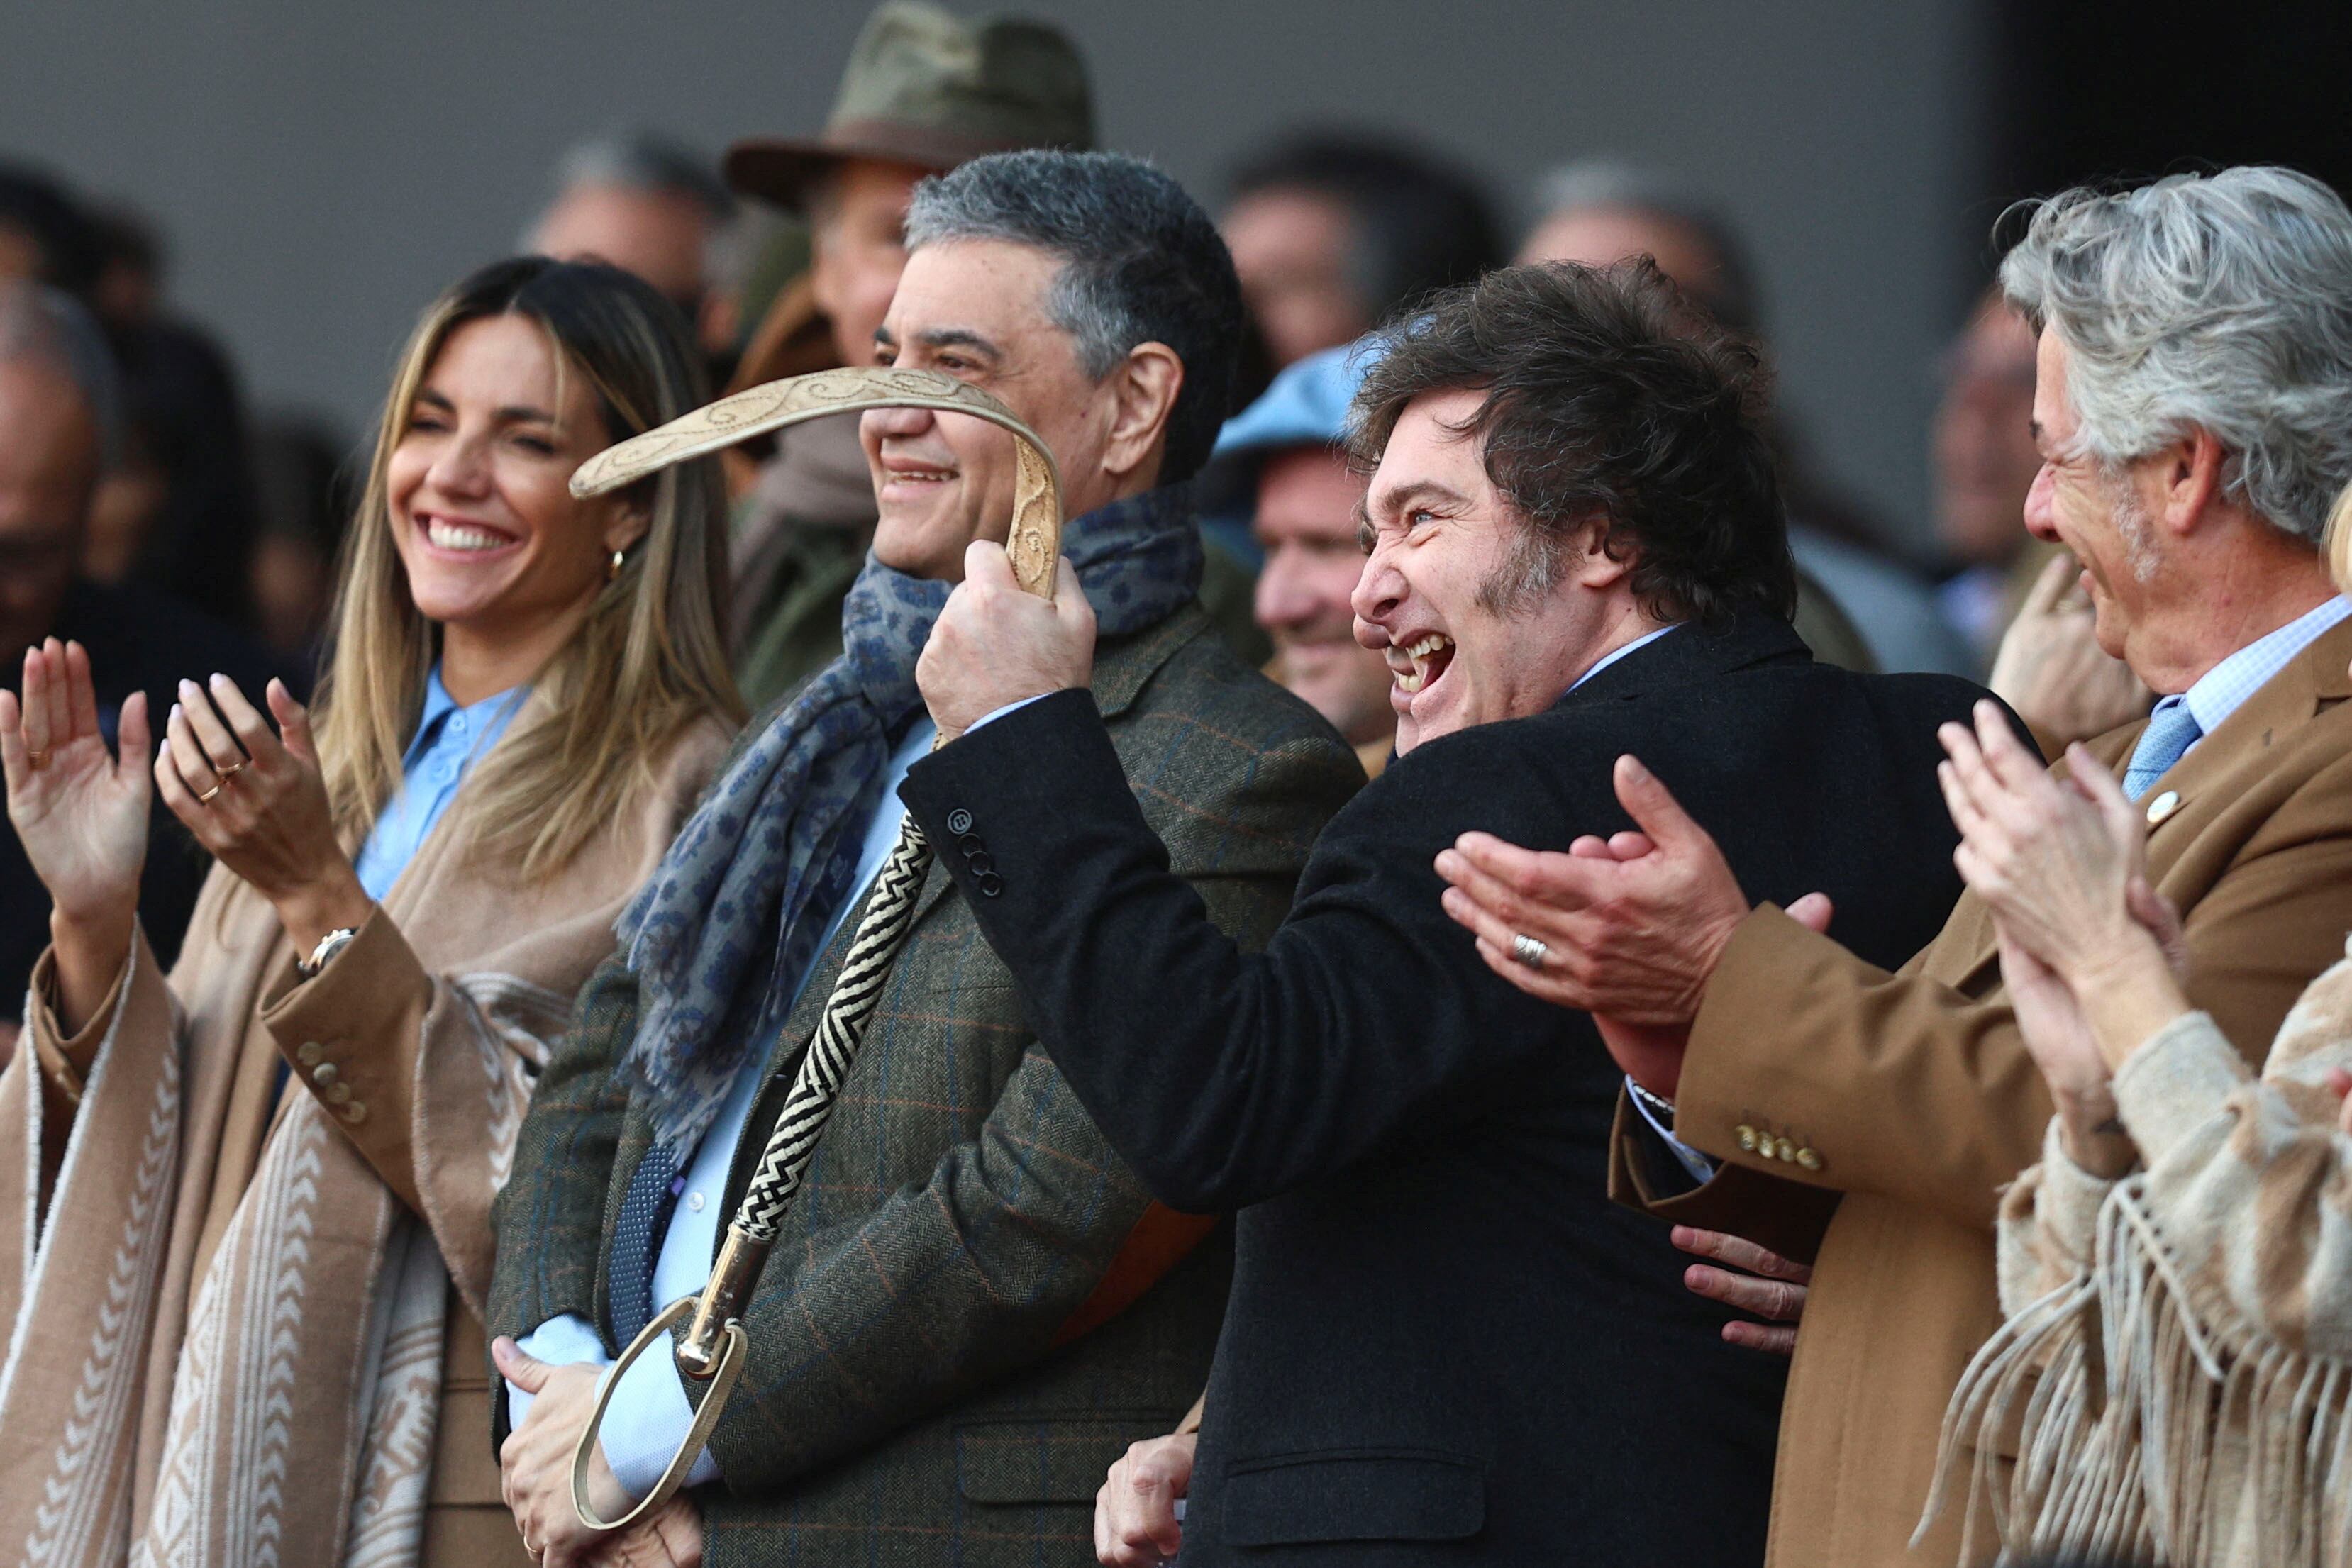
2171 730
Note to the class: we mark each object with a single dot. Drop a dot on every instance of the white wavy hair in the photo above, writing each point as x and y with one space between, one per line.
2220 302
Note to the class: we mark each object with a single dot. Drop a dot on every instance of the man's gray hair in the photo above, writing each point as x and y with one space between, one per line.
1141 263
48 326
1596 184
644 161
2220 303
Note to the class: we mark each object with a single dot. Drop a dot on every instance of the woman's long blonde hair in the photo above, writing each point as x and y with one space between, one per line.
650 660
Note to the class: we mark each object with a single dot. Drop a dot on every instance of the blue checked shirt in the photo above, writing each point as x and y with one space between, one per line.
2223 689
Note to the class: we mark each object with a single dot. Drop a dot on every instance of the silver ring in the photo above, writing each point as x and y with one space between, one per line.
1529 951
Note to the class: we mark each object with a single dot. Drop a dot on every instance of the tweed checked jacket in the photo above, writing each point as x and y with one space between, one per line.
974 1306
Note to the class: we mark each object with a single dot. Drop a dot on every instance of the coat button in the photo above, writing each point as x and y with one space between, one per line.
326 1072
1784 1151
1809 1158
982 865
355 1113
991 885
2163 806
1747 1136
959 821
307 1053
338 1093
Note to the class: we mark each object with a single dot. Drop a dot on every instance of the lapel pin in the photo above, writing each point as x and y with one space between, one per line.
2163 806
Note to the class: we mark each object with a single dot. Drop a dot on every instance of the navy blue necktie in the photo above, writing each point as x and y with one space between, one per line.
645 1209
2171 730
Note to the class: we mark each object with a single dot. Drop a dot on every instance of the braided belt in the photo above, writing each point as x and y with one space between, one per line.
715 1345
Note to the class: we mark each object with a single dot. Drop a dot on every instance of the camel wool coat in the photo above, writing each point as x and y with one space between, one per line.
242 1320
1915 1098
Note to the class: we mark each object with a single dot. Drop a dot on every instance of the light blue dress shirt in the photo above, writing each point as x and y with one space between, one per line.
2223 689
649 1415
447 741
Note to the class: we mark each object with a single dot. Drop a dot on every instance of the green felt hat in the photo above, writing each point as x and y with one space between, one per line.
927 88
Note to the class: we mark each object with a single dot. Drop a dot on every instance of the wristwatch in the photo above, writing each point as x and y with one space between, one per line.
332 942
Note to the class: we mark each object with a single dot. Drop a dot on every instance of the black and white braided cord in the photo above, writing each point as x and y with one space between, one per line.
816 1085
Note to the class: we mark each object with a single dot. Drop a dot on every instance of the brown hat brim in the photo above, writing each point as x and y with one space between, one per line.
781 170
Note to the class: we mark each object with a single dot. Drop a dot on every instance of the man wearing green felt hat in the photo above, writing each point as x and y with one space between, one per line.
924 91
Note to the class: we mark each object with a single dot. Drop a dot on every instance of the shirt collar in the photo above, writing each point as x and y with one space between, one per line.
1614 654
439 704
2221 690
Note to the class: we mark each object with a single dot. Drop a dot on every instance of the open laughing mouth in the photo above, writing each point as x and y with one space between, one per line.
1419 662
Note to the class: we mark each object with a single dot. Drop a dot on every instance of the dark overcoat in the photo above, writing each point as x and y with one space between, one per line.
1445 1344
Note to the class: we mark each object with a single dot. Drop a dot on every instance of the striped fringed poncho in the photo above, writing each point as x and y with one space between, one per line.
2174 1381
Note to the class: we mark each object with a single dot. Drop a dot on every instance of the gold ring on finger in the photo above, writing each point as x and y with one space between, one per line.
232 770
206 797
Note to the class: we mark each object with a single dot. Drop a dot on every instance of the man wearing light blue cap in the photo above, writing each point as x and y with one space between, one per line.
1284 457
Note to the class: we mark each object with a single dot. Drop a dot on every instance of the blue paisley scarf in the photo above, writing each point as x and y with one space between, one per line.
774 845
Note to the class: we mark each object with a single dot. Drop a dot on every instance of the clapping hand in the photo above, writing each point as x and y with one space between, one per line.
255 796
81 812
2090 954
1626 928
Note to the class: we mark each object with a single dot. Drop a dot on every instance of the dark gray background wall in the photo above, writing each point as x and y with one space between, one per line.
321 169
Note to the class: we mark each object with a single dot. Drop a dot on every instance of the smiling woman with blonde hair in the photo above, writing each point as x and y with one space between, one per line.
251 1208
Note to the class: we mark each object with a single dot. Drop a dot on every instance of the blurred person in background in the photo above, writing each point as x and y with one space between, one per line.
1332 230
303 482
60 427
1287 454
640 202
273 1169
1598 212
748 263
176 510
924 90
1981 447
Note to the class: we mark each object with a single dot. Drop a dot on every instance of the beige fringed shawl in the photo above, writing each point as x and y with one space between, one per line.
225 1322
2174 1381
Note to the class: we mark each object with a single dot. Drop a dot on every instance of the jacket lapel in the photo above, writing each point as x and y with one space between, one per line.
2198 788
2200 785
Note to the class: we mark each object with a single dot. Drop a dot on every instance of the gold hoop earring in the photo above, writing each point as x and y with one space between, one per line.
613 571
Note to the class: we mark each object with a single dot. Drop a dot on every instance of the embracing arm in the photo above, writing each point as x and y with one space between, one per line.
1225 1078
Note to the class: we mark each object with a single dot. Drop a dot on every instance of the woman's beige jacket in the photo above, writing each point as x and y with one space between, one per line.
228 1308
2174 1380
